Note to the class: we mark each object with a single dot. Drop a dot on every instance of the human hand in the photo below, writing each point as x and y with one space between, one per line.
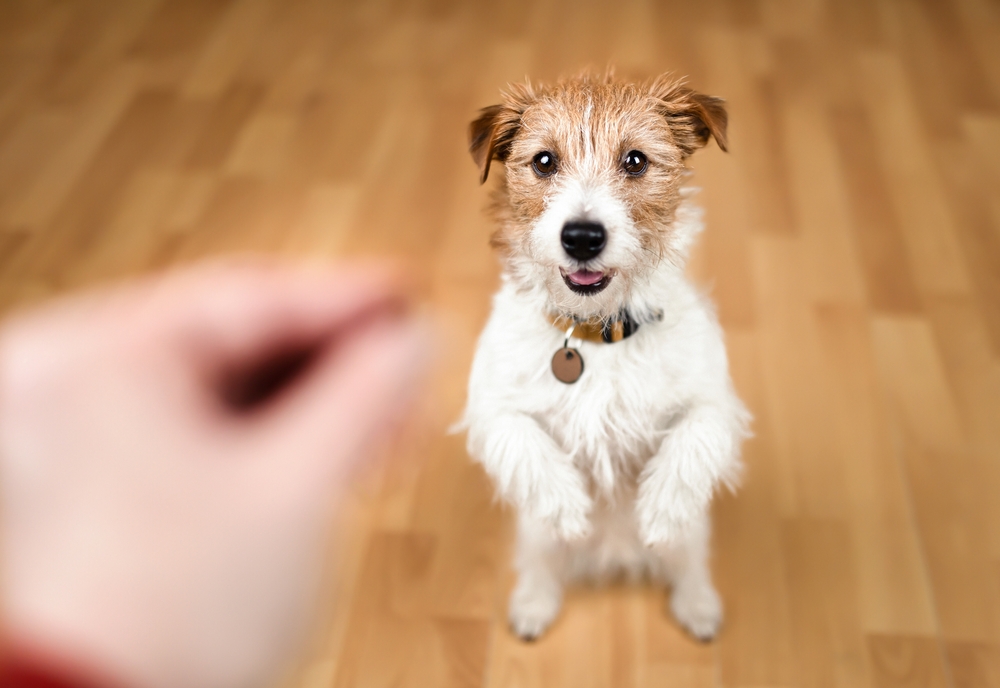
170 452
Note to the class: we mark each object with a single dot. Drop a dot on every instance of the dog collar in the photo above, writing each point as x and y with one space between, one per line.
567 363
611 331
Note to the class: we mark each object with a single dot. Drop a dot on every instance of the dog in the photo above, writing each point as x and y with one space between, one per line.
600 402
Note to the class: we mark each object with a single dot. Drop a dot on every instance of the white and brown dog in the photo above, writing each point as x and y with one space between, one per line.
600 401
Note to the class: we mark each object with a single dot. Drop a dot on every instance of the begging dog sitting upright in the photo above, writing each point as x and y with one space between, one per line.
600 401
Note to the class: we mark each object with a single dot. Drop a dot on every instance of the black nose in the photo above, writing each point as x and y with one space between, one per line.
583 240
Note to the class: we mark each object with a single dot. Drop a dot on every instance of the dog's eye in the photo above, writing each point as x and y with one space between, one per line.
544 164
635 163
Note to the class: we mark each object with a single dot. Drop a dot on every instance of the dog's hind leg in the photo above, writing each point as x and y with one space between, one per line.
537 596
693 599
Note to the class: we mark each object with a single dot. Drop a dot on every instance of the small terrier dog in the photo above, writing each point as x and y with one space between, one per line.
600 401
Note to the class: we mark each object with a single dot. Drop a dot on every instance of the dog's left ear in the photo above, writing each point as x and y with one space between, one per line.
693 117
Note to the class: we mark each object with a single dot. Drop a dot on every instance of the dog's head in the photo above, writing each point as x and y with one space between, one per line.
594 168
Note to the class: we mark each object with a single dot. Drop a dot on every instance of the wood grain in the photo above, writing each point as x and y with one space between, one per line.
853 248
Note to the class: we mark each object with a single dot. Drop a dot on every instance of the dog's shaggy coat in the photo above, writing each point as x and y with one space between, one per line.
612 475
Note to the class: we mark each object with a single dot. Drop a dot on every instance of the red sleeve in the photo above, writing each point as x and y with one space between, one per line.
15 673
24 668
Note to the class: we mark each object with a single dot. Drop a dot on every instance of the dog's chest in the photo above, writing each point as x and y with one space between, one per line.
613 417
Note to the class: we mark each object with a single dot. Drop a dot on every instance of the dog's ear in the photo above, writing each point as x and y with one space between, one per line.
491 134
482 142
693 117
708 117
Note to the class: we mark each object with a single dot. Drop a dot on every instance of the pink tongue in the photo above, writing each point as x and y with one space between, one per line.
586 277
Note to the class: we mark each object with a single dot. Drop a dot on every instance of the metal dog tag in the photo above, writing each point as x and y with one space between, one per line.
567 365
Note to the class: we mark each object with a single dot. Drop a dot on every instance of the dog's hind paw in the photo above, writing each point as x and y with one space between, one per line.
532 610
697 608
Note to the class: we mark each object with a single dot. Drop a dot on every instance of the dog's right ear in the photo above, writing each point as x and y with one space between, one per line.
490 136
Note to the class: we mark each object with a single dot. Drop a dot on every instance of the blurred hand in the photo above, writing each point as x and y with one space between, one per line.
170 454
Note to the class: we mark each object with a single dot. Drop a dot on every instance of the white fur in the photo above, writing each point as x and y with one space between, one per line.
612 475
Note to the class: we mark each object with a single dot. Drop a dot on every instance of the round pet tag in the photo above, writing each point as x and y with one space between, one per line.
567 365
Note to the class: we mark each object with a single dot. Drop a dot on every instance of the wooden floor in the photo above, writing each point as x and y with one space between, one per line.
853 247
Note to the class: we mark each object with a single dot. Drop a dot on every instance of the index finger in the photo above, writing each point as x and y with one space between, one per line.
241 312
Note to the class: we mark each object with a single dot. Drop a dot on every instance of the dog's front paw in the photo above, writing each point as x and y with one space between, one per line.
665 509
533 608
572 521
661 526
566 508
697 608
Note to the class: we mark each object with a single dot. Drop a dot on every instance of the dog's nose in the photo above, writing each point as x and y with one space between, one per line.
583 240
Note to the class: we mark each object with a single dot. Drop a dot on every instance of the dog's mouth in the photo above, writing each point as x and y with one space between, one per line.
587 282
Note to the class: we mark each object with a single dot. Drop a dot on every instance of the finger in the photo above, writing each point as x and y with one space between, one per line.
354 394
234 315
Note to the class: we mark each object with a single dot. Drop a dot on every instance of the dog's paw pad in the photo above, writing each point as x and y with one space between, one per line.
698 609
532 612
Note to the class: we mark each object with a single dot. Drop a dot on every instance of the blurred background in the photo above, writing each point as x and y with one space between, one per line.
853 248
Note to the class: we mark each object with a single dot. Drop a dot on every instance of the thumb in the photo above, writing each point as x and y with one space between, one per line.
238 313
